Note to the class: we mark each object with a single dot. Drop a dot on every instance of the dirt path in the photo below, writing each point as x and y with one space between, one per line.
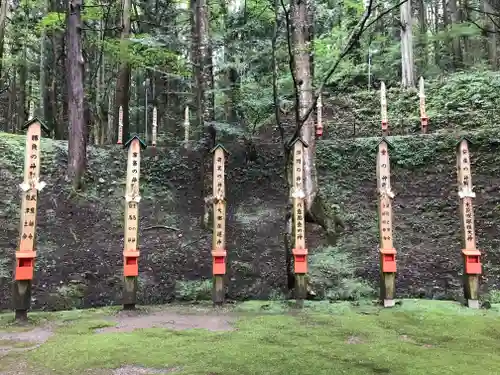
127 322
14 343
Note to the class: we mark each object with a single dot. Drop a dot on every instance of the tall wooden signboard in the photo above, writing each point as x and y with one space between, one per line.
26 253
385 196
471 255
131 240
387 251
299 251
219 252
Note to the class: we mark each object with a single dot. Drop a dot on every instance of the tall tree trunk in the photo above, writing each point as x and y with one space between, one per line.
302 71
407 63
205 55
11 116
456 49
22 115
197 66
43 103
3 18
122 95
423 40
77 140
492 44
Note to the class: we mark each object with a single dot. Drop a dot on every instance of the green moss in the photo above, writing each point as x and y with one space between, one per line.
418 338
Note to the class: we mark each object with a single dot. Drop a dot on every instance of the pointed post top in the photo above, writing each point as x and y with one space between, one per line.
35 120
298 139
220 146
386 141
382 87
464 138
135 136
421 86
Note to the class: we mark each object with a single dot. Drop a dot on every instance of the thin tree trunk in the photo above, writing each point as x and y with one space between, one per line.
407 63
77 140
122 95
22 114
3 19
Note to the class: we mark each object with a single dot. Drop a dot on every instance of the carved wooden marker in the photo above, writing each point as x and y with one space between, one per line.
120 126
219 252
387 250
319 121
155 127
424 120
26 254
472 256
383 110
299 228
131 245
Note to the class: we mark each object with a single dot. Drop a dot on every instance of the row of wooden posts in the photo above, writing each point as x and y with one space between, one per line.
31 186
471 255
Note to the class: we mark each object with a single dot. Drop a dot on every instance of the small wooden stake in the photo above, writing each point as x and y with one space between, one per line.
299 226
120 125
186 127
26 254
383 110
471 255
155 127
131 240
319 121
424 120
219 252
387 251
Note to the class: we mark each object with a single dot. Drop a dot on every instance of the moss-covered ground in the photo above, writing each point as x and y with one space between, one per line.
417 337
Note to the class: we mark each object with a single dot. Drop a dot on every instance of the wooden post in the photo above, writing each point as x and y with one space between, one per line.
26 254
154 132
299 226
387 250
154 127
186 127
424 120
471 255
131 240
120 126
383 110
319 121
219 252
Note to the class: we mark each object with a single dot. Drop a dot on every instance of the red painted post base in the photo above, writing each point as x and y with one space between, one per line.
219 262
300 260
472 259
385 128
25 264
424 124
131 263
388 276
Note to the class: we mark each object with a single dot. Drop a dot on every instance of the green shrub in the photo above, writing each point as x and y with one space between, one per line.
195 290
332 276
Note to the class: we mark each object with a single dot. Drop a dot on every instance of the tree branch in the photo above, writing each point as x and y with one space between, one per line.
161 227
291 60
352 40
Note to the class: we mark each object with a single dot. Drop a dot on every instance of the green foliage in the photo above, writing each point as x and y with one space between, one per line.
196 290
494 296
332 276
53 21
